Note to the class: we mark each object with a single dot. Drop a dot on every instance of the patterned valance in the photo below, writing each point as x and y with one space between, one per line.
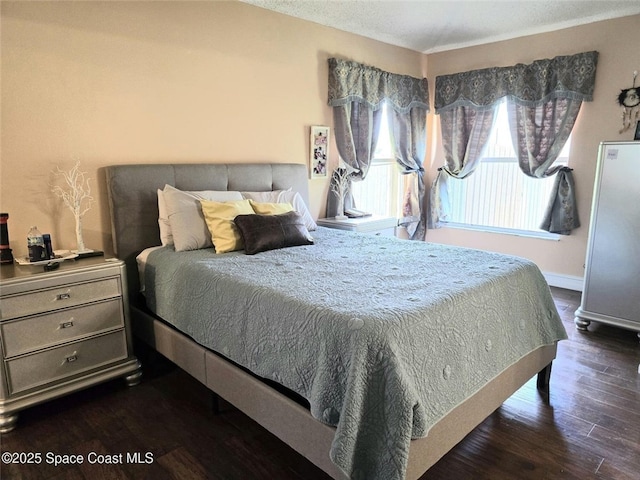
353 82
570 77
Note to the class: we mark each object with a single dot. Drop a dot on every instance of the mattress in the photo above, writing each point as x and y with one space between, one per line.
383 337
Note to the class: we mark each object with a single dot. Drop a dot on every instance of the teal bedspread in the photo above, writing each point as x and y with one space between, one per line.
382 336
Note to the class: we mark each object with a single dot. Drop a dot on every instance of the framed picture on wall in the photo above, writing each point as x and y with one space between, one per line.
637 134
319 152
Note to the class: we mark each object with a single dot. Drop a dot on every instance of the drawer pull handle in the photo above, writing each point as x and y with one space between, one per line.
68 324
72 358
63 296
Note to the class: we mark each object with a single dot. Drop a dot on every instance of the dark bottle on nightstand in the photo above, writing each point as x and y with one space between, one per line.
48 246
35 243
5 250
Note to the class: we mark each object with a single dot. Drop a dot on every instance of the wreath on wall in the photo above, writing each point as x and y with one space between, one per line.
629 100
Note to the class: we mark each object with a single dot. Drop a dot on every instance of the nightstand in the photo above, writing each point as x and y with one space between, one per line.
373 224
62 331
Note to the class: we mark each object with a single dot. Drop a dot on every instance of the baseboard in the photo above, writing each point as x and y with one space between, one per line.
564 281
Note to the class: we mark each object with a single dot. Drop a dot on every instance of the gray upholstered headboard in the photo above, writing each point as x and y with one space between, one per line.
133 200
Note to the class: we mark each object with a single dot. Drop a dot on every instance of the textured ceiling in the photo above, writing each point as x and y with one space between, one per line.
429 26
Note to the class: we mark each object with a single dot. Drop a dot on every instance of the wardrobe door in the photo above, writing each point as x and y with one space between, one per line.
612 284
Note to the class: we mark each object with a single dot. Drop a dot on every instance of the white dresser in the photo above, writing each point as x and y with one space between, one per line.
611 292
61 331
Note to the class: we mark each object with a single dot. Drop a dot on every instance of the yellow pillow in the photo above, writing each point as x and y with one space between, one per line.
219 218
271 208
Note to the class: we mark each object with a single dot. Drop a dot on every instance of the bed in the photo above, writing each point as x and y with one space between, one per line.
372 357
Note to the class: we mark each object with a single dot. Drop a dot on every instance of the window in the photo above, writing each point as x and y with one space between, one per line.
379 193
498 195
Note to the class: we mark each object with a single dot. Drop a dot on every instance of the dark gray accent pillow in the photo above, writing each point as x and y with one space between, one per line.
269 232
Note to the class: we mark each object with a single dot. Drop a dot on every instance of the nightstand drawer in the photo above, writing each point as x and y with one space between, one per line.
33 333
53 365
60 297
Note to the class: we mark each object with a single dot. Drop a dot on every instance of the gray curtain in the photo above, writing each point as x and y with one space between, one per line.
539 133
544 99
465 131
409 137
561 215
356 93
356 128
571 76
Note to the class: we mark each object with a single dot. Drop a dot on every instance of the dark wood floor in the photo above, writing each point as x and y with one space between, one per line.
590 429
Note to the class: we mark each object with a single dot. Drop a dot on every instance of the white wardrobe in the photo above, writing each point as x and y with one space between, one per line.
611 292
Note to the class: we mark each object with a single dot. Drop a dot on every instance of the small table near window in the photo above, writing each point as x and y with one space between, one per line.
372 225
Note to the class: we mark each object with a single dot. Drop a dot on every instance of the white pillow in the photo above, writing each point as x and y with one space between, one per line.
285 196
184 215
263 197
166 238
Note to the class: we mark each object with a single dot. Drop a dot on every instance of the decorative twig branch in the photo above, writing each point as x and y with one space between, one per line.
339 186
76 196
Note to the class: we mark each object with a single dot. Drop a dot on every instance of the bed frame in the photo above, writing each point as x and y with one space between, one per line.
132 192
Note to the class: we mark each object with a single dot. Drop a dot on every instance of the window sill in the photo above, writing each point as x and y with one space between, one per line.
504 231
